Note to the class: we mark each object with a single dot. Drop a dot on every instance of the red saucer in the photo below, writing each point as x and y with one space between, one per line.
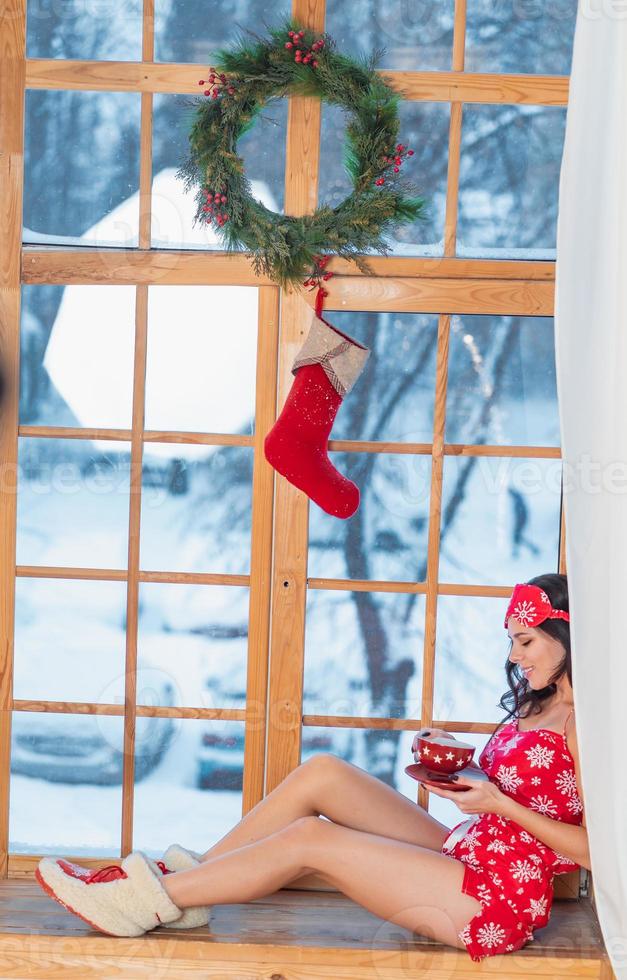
420 772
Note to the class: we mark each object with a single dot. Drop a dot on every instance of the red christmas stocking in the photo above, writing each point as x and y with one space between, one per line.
326 368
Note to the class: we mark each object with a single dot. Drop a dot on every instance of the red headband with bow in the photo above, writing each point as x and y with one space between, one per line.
530 605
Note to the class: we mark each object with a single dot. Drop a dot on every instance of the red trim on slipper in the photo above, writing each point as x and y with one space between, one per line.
49 891
92 875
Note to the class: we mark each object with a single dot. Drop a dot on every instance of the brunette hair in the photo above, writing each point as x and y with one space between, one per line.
520 694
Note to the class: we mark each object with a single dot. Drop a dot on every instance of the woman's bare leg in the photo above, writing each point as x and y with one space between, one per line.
411 886
328 786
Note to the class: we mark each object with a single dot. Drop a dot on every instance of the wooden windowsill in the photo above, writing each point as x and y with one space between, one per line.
291 935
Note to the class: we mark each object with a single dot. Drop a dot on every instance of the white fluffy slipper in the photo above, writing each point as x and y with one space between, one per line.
179 858
120 901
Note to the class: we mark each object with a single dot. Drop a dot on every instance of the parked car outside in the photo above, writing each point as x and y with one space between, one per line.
89 748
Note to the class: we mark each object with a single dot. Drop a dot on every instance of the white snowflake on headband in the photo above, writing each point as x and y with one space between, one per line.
524 612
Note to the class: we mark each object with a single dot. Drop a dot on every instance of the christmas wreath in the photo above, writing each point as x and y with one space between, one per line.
295 61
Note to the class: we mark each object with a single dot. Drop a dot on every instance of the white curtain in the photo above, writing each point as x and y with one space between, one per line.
591 362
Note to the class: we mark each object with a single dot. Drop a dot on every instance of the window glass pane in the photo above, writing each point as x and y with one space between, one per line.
62 382
195 789
380 752
177 34
509 180
393 399
424 127
66 783
196 508
88 30
81 168
447 811
201 358
533 38
416 35
501 381
69 640
262 150
386 538
501 519
198 636
72 505
371 645
471 653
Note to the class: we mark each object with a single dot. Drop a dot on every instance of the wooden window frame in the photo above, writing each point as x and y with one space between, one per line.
278 580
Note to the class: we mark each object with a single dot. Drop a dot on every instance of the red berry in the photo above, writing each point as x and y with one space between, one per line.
231 90
201 82
399 147
209 197
223 198
396 170
207 91
410 153
315 64
214 94
301 33
212 77
226 217
289 45
290 33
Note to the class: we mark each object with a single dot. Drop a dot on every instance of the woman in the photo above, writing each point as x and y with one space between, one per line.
483 888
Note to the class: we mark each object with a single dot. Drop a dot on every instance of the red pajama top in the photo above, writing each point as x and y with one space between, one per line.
509 870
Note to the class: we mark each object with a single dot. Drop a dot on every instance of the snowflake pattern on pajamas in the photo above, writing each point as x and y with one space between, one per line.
524 871
544 804
566 783
540 755
537 907
491 934
508 778
508 870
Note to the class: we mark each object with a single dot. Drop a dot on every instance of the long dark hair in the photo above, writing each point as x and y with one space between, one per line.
520 694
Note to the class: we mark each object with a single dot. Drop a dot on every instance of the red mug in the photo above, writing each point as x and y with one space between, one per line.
442 754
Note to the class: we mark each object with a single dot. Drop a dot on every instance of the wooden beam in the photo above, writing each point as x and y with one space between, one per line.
69 265
441 296
416 86
121 575
12 71
287 640
261 552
